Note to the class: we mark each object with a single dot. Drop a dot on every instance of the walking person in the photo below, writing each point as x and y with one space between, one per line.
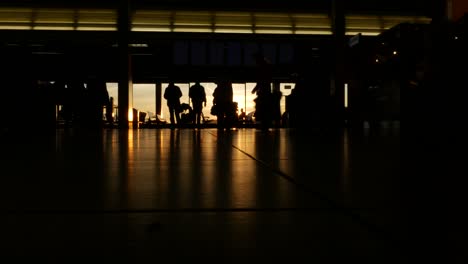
172 95
198 97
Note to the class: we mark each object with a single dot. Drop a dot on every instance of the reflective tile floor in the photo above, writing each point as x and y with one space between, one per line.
223 196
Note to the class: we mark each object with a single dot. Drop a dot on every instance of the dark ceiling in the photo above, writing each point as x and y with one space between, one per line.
400 7
59 48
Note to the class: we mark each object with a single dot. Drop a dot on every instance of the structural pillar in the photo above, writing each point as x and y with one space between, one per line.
158 98
276 86
338 75
125 87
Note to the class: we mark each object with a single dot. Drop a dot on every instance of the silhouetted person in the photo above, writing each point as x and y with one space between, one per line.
198 97
242 116
172 94
262 89
222 98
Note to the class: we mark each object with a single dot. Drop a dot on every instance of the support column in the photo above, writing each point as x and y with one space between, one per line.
338 75
158 98
276 86
125 89
276 104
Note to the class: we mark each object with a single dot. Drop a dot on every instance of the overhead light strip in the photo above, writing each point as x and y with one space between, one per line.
195 21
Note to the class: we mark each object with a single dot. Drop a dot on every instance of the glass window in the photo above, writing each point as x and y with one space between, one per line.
216 53
250 104
286 53
144 98
181 52
234 53
112 89
269 51
239 95
249 50
198 53
184 87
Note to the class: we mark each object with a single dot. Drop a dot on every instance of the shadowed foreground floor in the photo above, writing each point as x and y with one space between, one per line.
174 194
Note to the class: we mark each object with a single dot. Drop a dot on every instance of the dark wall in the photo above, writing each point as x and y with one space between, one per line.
184 56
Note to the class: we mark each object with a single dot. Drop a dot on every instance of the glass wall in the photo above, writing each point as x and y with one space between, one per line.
144 97
239 95
112 89
249 98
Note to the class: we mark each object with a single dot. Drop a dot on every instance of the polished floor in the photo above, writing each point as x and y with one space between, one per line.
220 195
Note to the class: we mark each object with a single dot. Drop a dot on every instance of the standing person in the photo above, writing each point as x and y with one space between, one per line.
172 94
263 105
198 97
223 99
242 116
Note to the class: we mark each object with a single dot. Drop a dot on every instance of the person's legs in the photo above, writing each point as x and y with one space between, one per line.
197 109
198 117
220 119
171 115
194 118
